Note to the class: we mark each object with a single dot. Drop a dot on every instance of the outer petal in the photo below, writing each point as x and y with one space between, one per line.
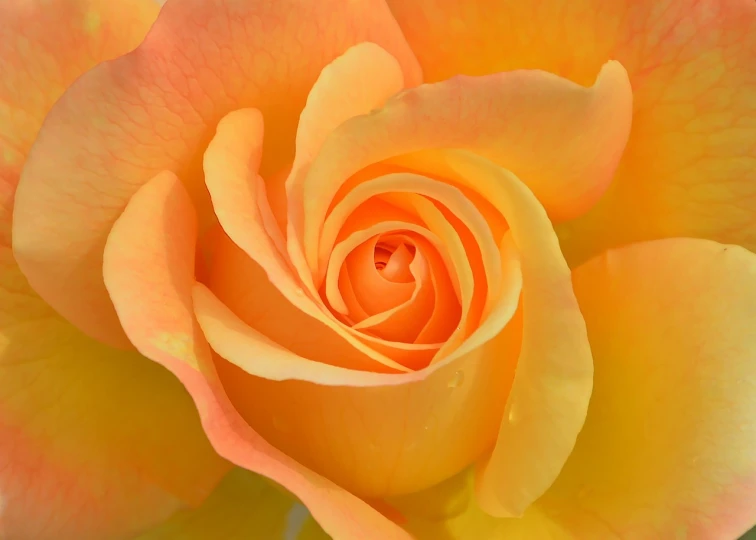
44 47
668 445
689 165
154 109
243 506
148 269
94 442
84 455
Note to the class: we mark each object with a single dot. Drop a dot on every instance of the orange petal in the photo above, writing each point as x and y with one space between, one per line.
152 110
688 169
374 292
667 447
582 130
148 269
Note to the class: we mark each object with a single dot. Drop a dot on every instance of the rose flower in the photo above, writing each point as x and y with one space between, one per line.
377 269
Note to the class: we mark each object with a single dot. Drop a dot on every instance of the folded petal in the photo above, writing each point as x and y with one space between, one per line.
44 47
243 506
154 109
149 271
692 65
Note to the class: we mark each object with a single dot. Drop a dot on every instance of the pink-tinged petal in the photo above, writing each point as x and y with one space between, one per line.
153 109
514 119
243 506
44 47
667 447
692 65
95 442
149 269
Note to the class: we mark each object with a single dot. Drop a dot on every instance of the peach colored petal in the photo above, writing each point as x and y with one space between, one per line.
550 393
153 109
396 428
692 64
148 269
231 176
44 47
512 118
398 420
360 80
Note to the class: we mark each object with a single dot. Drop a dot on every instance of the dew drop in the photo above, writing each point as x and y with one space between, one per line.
456 380
513 415
299 291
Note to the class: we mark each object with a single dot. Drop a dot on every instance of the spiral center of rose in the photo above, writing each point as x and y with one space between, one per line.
392 257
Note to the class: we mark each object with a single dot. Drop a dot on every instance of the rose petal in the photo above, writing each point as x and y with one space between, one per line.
230 167
94 442
688 169
667 447
148 269
512 118
44 47
360 80
551 389
153 110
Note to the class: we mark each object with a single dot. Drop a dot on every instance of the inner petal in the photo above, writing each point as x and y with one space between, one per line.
372 289
392 258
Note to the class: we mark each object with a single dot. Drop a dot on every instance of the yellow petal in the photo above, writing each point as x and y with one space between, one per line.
688 169
667 450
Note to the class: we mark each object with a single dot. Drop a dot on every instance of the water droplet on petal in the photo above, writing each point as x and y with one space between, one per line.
456 380
513 415
299 291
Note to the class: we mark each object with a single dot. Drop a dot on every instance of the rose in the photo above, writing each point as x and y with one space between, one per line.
127 452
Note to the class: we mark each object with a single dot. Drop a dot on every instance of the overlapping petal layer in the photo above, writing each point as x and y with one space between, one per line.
688 168
149 272
666 450
154 109
94 442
